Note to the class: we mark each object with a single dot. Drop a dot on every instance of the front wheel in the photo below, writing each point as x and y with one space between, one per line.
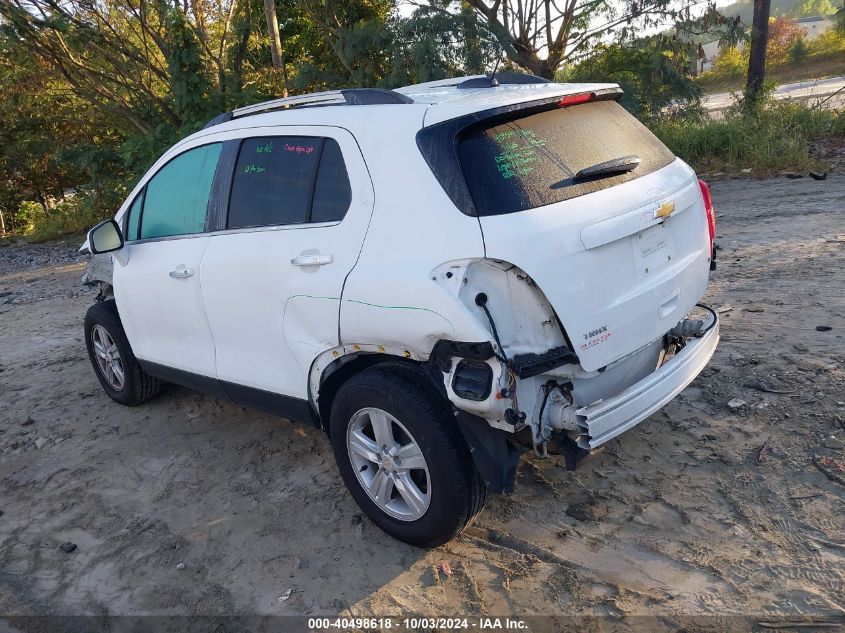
112 359
402 457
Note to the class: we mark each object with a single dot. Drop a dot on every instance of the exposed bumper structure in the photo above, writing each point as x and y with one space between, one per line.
604 420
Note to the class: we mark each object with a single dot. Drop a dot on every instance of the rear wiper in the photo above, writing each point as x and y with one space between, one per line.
608 168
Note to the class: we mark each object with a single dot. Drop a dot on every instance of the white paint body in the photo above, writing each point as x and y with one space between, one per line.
251 288
405 264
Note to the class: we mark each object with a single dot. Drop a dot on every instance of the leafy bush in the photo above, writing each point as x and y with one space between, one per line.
75 214
732 62
783 34
831 42
790 57
798 52
776 137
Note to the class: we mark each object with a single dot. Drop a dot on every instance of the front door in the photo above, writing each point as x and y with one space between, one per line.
157 274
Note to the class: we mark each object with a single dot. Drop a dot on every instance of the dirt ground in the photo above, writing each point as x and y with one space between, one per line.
188 505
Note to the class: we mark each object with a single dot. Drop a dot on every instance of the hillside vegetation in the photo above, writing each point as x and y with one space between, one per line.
781 8
790 57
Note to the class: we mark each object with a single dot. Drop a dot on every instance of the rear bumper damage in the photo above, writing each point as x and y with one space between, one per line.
568 411
603 420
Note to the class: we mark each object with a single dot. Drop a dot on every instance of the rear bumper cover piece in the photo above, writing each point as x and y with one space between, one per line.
603 420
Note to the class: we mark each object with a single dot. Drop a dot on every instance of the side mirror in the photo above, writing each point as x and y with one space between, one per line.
105 238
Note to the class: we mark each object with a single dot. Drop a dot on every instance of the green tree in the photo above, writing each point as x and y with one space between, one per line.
732 62
345 43
798 52
808 8
654 73
41 122
434 43
540 35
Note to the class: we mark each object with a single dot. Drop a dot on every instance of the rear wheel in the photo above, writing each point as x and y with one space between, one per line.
112 359
402 457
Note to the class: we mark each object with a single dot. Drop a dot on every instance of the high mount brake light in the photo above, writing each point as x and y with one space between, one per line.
581 97
708 209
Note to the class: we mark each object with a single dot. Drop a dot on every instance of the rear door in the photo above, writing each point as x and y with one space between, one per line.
299 206
621 257
156 278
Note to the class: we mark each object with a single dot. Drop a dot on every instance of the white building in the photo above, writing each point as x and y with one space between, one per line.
816 25
707 54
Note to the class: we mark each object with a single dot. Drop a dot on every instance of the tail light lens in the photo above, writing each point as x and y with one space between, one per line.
708 209
571 100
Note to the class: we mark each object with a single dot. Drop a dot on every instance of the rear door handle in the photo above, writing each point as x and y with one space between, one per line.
182 273
318 259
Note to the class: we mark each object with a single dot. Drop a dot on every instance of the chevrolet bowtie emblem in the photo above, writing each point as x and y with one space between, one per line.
664 210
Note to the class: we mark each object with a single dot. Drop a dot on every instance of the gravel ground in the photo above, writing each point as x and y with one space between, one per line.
189 505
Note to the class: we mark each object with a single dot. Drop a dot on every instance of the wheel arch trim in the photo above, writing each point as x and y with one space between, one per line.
494 455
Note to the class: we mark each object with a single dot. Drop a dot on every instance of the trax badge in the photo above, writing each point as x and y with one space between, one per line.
664 210
593 333
594 337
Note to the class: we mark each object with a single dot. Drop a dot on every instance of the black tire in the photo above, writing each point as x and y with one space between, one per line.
457 491
138 386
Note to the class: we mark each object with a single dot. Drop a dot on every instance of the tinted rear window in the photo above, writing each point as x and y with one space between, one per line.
332 193
525 162
274 178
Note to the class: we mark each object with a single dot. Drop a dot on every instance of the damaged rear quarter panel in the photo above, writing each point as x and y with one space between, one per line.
391 297
525 320
525 324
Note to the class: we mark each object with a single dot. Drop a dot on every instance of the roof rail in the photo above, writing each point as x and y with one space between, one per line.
315 98
351 96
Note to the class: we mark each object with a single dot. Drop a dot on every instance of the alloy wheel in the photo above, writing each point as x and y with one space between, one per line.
389 464
108 357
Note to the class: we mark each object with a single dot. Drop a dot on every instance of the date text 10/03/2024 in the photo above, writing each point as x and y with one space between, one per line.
418 624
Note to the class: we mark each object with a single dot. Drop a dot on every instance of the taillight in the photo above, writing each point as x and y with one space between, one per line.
708 209
570 100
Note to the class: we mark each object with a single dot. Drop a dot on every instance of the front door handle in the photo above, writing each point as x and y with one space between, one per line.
316 259
182 273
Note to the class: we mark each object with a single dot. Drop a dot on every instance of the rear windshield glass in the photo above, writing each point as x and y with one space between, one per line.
521 163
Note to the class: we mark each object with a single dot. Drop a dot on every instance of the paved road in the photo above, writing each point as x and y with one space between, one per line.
811 90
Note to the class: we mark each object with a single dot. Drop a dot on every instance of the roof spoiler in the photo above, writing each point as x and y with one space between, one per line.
508 78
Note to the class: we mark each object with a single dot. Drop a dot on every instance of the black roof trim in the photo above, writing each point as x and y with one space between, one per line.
225 117
520 78
478 82
373 96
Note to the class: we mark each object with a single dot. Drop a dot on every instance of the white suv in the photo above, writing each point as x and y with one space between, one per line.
432 275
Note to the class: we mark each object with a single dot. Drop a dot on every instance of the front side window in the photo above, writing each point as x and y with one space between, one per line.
134 218
288 180
177 196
